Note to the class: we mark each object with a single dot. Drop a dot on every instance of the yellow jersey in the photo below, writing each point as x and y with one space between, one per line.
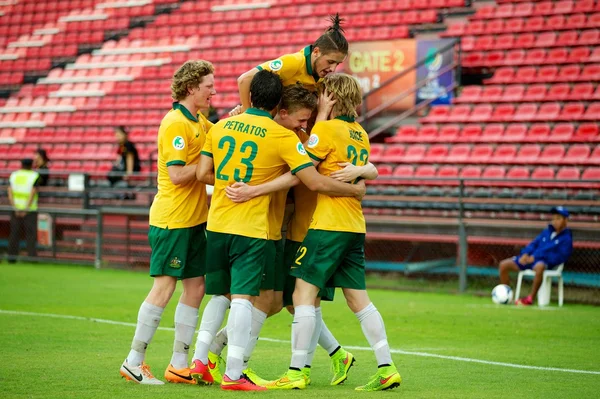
254 149
305 202
294 68
277 213
332 142
181 136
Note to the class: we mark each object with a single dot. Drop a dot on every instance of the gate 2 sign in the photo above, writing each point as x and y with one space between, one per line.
373 63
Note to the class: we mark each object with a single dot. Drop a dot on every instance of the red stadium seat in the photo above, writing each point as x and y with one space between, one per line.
552 154
558 92
502 75
459 113
469 94
427 133
542 173
481 153
594 159
459 153
415 153
448 172
491 93
513 93
502 112
567 38
590 73
584 6
515 132
581 91
548 112
592 173
535 92
557 56
376 152
562 132
528 153
515 57
526 75
470 172
586 132
538 132
403 171
589 37
393 153
577 154
405 133
504 153
492 132
572 112
448 133
592 113
494 172
470 133
426 171
568 173
518 172
547 74
438 113
436 153
525 112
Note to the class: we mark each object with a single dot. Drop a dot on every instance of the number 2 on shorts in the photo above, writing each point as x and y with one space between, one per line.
302 252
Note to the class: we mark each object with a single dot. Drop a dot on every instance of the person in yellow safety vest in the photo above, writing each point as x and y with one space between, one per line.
23 197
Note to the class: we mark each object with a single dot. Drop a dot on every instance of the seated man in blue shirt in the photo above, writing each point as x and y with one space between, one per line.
549 249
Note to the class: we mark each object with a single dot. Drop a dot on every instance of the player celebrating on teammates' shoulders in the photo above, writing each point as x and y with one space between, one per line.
252 148
177 226
307 66
333 250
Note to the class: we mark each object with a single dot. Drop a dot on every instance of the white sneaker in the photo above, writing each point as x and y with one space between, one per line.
139 374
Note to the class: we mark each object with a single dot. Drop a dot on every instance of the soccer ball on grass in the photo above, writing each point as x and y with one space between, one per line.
502 294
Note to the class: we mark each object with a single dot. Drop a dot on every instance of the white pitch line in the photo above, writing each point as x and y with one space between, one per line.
283 341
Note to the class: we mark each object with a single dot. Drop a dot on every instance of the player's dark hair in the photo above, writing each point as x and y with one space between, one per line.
265 90
122 129
297 97
333 40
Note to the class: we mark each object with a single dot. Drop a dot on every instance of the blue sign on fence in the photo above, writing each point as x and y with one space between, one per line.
435 88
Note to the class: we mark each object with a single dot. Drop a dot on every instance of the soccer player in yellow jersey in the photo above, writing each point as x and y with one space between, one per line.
254 149
305 202
332 253
307 66
296 107
177 226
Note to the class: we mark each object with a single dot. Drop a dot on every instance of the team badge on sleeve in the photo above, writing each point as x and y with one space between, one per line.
276 65
178 143
300 149
313 140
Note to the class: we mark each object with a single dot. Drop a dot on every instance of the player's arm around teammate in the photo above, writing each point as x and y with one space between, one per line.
177 226
307 66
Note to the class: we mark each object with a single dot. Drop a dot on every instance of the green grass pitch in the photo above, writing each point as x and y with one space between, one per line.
56 357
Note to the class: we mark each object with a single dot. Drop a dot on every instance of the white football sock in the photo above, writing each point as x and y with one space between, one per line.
326 339
148 320
302 331
315 337
186 321
212 318
220 341
258 319
239 324
374 330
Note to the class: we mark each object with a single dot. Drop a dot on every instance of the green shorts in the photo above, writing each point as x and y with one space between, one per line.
331 259
275 272
234 264
289 257
179 253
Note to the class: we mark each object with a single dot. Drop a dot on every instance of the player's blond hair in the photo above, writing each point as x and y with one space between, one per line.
188 76
346 91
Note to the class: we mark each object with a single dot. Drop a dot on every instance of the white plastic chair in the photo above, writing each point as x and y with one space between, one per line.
543 296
